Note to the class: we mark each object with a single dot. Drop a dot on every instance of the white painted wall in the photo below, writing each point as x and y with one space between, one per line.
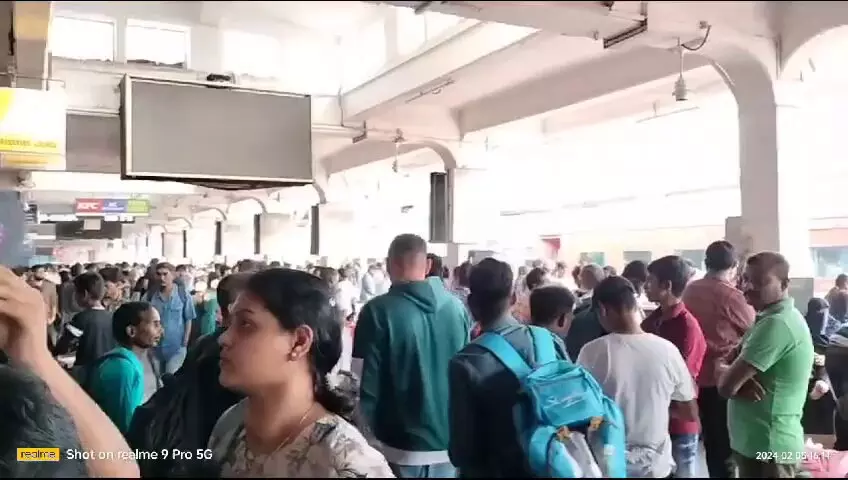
307 61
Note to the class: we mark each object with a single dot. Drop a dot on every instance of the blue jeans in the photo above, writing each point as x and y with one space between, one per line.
436 470
685 450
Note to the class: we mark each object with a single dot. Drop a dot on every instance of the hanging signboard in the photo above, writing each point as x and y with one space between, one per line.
33 129
98 207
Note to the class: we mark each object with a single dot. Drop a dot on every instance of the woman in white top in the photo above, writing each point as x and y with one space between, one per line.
284 339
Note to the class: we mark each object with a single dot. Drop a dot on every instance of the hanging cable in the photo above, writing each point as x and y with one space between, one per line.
703 42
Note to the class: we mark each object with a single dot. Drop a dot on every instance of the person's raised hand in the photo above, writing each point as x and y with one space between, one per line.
23 331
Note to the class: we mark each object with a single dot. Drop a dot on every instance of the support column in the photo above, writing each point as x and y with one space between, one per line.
201 247
173 247
773 179
285 237
473 202
237 242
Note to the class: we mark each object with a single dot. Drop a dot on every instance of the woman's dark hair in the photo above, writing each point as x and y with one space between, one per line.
297 299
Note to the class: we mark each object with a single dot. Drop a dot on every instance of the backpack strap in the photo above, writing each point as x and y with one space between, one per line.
544 348
505 353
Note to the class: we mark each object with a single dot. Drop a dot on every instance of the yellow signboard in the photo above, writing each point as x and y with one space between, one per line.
33 129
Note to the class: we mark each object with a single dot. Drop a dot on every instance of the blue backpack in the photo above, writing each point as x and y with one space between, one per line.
566 425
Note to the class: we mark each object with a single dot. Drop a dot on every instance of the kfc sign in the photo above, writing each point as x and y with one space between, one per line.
89 206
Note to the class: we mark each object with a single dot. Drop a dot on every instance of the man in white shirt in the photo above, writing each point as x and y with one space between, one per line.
643 373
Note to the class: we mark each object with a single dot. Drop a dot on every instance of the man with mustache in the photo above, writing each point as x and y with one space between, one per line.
767 381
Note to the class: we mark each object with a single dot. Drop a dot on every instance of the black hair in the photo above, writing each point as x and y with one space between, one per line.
463 273
773 262
228 289
615 293
672 271
248 265
490 285
274 264
129 314
841 279
407 244
720 256
535 278
816 304
550 303
298 299
435 265
327 274
31 418
610 271
77 269
91 284
839 305
637 272
162 265
111 274
64 276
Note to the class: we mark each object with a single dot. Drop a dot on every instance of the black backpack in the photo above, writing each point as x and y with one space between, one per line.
182 413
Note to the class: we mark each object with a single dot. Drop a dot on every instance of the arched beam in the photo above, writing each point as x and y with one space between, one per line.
187 221
262 205
373 150
805 27
220 211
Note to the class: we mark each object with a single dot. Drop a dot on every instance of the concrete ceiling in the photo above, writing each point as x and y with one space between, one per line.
560 64
331 18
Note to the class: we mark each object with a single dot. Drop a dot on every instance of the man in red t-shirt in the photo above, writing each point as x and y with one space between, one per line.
667 278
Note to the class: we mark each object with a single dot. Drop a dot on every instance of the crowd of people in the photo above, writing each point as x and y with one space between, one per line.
411 369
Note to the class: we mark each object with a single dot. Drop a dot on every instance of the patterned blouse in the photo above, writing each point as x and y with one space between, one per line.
330 448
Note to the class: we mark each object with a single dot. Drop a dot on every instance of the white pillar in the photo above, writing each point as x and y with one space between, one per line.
773 180
473 212
173 247
201 242
237 241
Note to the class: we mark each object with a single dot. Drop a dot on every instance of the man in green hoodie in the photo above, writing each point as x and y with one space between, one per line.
403 343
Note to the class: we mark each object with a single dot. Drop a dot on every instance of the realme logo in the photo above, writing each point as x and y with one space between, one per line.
38 454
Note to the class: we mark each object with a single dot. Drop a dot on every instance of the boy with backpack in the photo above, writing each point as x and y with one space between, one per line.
501 423
116 380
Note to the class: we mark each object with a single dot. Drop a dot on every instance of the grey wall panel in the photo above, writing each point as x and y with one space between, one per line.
94 144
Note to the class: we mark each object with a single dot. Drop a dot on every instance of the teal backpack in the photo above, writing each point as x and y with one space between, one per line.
566 425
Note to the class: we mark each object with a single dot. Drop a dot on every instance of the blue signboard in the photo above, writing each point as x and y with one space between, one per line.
113 205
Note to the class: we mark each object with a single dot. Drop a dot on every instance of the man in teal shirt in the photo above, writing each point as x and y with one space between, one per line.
767 382
116 381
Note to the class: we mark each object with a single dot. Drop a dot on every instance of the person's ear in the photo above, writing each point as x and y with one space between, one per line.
302 342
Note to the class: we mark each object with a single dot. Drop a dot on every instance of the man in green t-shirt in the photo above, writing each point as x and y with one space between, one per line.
767 381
